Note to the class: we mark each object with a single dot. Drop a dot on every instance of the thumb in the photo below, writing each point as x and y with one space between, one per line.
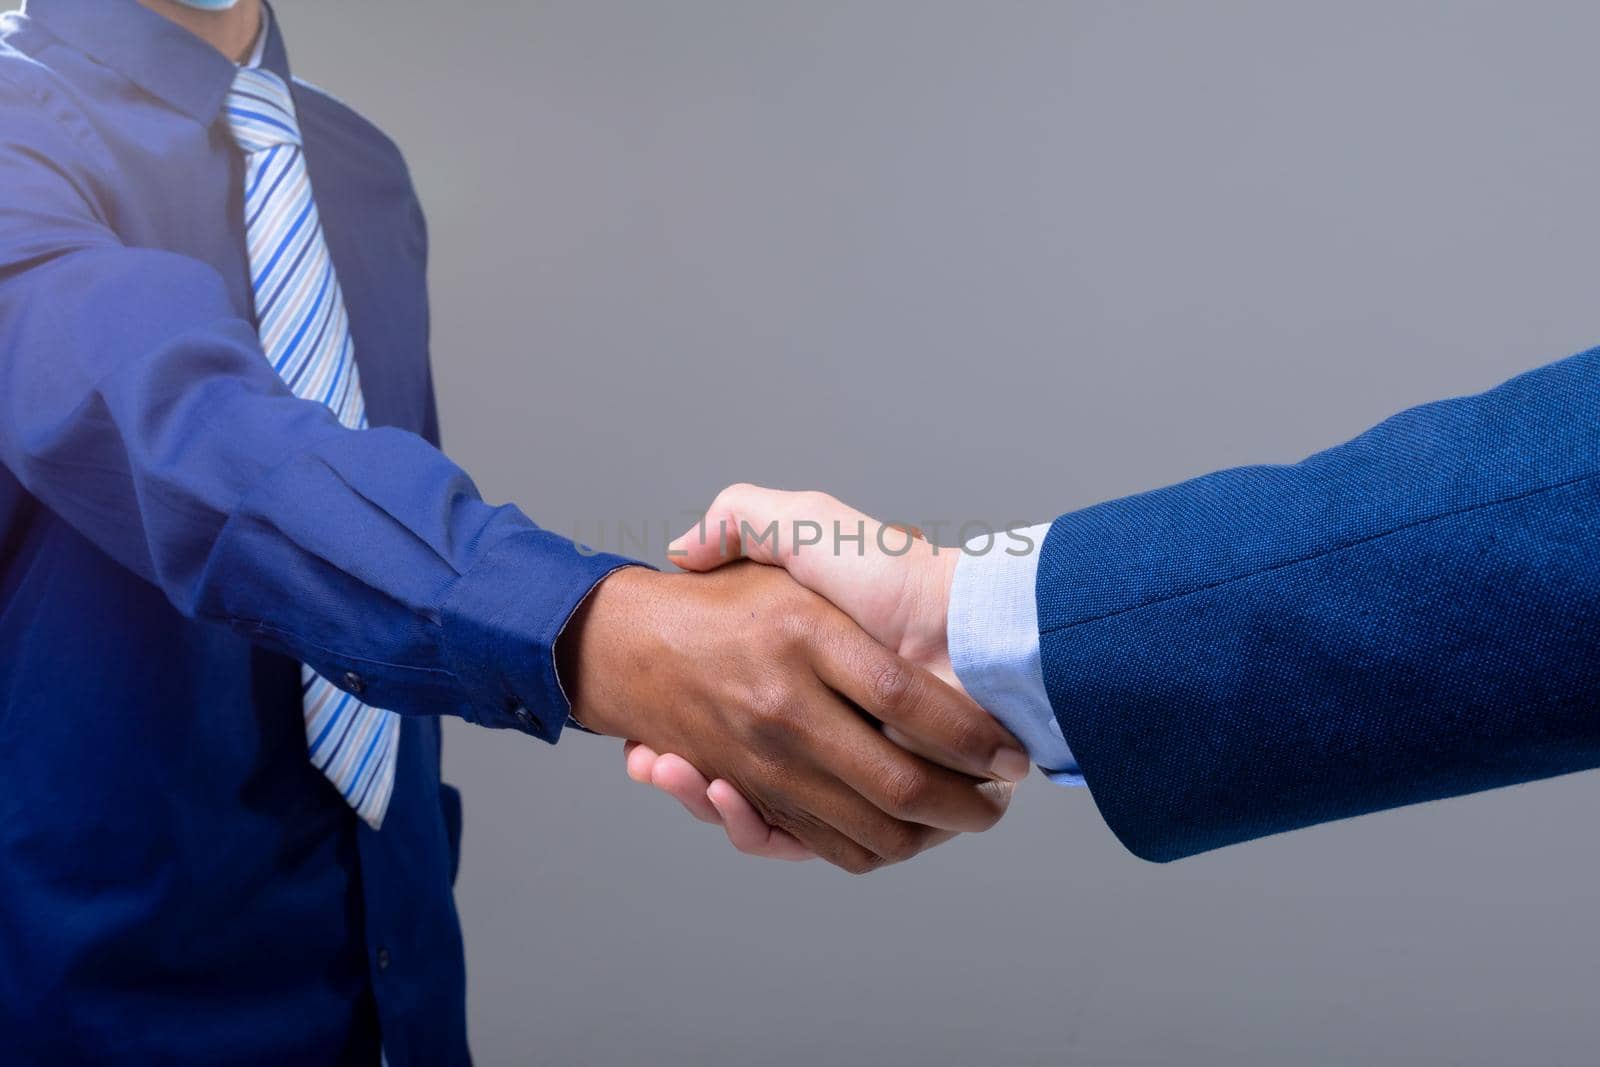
888 582
804 533
744 522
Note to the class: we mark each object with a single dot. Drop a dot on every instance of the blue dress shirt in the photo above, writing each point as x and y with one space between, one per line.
177 530
993 633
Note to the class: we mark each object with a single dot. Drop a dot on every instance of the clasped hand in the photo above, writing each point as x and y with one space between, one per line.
810 713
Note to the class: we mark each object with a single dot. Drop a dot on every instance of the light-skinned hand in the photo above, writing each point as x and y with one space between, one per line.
890 580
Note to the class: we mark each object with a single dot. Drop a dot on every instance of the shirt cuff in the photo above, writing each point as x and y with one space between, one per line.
502 620
993 632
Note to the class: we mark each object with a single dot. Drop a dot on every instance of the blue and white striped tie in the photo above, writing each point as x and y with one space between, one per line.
305 333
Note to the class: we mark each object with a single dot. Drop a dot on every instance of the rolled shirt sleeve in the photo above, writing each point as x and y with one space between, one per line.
993 632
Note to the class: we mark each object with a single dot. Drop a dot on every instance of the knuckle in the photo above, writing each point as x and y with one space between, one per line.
797 624
901 842
905 791
862 863
812 502
777 812
968 735
893 686
736 491
767 790
825 498
775 721
728 504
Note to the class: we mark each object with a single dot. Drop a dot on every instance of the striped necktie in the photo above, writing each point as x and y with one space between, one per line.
305 334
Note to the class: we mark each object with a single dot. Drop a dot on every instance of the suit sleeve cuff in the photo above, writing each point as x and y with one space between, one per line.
501 622
993 631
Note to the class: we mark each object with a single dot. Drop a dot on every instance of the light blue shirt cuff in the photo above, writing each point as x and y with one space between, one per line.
993 630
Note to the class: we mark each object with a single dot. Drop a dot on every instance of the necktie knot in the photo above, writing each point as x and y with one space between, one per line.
261 111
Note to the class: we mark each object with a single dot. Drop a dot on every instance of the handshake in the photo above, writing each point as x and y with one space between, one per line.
1408 616
809 713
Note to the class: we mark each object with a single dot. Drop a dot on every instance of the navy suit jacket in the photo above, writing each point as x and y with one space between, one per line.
1412 615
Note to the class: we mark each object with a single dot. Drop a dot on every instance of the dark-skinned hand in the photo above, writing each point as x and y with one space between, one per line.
757 681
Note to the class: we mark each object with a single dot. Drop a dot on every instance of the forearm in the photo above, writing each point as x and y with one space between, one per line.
158 430
1409 616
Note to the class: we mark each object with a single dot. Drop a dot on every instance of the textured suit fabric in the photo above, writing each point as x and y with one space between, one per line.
1412 615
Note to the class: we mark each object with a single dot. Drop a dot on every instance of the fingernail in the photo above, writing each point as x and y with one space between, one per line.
1011 764
679 546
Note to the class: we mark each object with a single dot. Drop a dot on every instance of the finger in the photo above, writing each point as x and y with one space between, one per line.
1000 791
715 539
767 526
838 849
852 830
928 752
748 831
946 725
678 778
823 814
915 745
840 771
899 784
640 760
807 534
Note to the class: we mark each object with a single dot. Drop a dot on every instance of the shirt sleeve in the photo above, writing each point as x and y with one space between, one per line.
993 632
136 404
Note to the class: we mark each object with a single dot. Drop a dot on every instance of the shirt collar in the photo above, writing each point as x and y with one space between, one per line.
155 53
258 51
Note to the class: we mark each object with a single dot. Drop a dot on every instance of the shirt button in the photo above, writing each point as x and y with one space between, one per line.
354 683
383 959
524 716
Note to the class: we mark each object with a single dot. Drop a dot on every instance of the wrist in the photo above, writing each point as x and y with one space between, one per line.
605 639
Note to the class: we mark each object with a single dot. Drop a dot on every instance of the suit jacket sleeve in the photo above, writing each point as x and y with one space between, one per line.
1412 615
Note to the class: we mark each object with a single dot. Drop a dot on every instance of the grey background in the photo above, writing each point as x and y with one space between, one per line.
992 260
